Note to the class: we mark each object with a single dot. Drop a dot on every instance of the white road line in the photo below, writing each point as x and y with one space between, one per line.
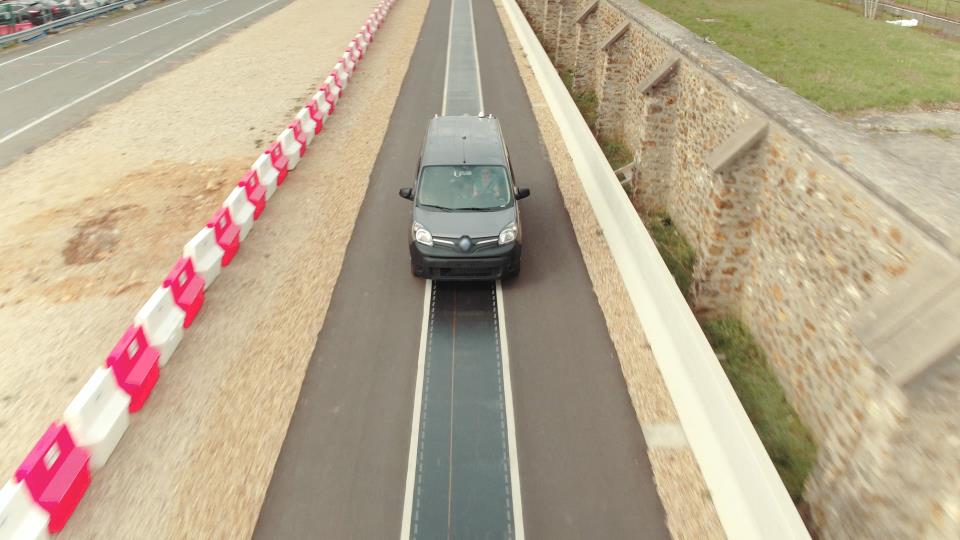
215 4
446 73
417 406
476 57
34 52
58 68
147 13
511 428
118 80
87 57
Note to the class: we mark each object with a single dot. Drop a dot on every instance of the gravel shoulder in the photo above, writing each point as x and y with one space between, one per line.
686 499
100 214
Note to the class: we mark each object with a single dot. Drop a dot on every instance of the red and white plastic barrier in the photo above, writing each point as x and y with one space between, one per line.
293 144
135 366
20 517
162 323
98 416
187 288
311 124
57 474
256 193
206 254
240 210
52 479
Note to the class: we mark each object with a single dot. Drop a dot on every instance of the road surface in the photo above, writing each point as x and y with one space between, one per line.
55 84
582 464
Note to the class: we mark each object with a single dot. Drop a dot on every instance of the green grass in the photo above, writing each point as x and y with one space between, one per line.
787 440
674 249
617 153
948 8
943 133
831 56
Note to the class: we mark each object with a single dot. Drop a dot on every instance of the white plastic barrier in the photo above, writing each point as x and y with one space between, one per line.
349 63
321 96
291 148
307 123
98 416
20 517
241 210
750 499
343 76
162 322
266 173
206 255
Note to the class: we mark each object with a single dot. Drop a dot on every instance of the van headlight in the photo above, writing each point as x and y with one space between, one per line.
508 234
421 235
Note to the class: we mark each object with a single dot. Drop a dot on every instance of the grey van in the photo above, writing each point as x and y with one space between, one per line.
466 222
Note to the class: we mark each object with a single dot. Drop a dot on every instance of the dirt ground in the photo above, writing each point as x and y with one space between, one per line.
686 499
100 214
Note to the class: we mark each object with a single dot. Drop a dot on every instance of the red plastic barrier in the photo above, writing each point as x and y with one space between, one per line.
315 113
278 159
228 234
135 365
256 193
299 135
57 474
187 289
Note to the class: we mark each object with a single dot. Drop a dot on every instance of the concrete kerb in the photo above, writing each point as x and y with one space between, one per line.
20 508
750 499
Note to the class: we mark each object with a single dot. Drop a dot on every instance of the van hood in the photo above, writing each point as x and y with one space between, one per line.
465 223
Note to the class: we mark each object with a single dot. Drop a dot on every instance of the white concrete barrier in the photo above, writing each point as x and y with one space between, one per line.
98 416
241 210
266 173
306 121
162 323
750 499
291 148
206 255
20 517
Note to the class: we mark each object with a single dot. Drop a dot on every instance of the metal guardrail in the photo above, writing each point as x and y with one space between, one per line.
750 499
37 31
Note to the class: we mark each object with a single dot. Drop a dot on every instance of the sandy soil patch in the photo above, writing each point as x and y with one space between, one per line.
101 214
690 513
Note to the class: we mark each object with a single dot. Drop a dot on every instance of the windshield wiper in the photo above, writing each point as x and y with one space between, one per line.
441 208
478 209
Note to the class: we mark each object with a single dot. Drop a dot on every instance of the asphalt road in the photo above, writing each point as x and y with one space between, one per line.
56 83
582 460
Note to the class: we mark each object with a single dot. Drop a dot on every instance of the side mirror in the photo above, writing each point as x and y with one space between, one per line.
523 193
406 193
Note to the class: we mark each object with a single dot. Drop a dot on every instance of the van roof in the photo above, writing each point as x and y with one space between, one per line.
455 140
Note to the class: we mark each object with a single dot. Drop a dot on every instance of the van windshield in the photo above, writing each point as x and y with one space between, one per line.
464 187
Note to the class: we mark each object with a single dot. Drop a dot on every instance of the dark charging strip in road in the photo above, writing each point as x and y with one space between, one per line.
462 485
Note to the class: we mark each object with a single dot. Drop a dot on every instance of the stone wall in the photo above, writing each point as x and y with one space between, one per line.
794 237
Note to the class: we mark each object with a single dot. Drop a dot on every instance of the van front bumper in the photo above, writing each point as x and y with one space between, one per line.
443 264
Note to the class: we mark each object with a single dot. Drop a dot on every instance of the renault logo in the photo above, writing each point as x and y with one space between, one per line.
465 243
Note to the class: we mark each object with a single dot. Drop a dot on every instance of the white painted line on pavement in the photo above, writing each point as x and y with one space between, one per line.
128 19
215 4
417 406
91 55
56 69
34 52
511 427
118 80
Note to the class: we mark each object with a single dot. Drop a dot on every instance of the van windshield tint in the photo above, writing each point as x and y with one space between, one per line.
464 187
